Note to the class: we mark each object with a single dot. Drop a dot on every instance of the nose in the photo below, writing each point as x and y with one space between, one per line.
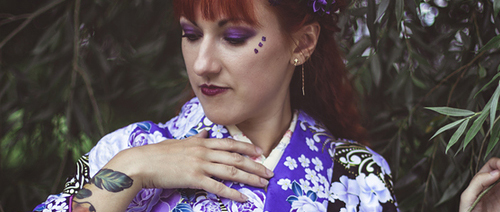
207 62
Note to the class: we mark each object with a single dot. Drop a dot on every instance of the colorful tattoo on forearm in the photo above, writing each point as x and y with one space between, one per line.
112 181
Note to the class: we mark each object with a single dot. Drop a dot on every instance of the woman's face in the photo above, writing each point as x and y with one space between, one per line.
239 72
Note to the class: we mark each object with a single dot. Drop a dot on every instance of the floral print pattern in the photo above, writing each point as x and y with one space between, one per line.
316 172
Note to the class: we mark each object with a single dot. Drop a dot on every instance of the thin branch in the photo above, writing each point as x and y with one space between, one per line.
28 20
481 195
14 18
76 55
450 75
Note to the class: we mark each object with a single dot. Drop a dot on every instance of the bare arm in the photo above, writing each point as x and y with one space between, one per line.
190 163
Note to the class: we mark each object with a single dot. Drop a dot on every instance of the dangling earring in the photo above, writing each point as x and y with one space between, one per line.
303 90
295 63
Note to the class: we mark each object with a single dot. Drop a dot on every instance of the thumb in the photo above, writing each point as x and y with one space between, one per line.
478 184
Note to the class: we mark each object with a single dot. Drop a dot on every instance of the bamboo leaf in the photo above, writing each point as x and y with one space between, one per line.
454 138
451 111
375 69
494 104
494 137
496 7
494 43
454 188
476 126
382 7
488 84
400 4
447 127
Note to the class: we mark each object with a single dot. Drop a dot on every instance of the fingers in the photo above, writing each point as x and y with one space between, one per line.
218 188
231 145
478 184
232 173
239 161
492 164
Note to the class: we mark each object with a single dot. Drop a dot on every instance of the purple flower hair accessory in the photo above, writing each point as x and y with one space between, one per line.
319 6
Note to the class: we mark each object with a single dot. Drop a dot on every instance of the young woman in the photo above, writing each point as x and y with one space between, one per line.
267 130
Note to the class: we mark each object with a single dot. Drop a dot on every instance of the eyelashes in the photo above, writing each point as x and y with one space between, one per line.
234 36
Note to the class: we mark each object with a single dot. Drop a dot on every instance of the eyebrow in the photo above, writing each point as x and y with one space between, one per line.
222 22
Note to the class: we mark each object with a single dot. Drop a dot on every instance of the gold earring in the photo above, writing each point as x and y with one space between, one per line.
303 90
295 61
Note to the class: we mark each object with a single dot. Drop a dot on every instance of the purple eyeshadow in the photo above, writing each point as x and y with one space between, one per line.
239 33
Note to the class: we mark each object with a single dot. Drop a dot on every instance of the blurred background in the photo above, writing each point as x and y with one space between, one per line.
72 71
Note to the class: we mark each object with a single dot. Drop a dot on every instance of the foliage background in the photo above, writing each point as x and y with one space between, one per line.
71 71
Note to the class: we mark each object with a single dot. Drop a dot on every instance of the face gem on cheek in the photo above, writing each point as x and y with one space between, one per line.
256 51
260 44
263 38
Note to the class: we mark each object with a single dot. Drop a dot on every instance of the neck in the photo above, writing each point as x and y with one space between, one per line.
267 131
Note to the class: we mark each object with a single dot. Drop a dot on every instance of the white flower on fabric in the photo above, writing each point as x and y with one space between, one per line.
291 163
304 162
305 185
318 165
255 202
305 204
311 175
311 144
380 161
285 184
372 190
347 190
191 114
317 188
218 130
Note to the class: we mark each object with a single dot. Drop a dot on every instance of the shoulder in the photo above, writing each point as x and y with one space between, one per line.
364 175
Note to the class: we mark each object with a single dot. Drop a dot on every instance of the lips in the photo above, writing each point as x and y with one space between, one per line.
212 90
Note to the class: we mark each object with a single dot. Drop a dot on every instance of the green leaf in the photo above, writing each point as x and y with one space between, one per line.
447 127
400 4
454 138
375 69
488 84
494 137
449 111
494 43
476 126
482 72
113 181
382 7
494 104
454 188
496 7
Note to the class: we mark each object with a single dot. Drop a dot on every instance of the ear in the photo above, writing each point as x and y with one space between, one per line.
305 40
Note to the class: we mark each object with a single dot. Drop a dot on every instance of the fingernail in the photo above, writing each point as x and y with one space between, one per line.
494 172
264 181
244 197
259 150
269 173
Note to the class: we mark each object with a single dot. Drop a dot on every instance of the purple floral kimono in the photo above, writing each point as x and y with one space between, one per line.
315 173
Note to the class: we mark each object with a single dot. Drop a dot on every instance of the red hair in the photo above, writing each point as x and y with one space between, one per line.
330 97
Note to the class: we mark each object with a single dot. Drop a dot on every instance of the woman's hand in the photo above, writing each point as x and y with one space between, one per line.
488 175
192 162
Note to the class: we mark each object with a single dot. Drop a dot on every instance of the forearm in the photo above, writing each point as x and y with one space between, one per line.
111 189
